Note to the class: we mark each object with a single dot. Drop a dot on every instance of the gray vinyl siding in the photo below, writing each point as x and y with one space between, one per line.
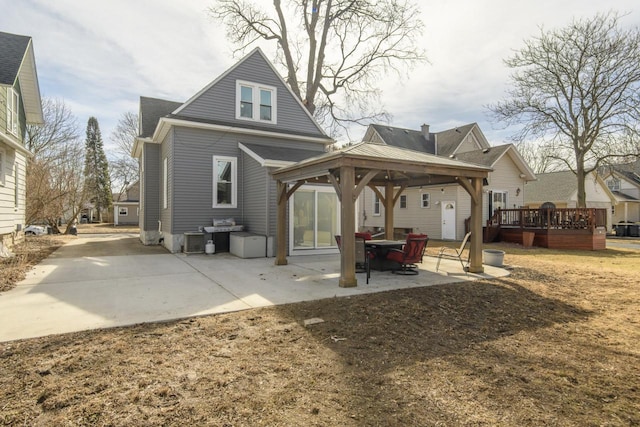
192 197
219 101
151 183
167 215
255 196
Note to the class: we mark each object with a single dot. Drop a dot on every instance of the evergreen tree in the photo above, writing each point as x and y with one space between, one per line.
96 169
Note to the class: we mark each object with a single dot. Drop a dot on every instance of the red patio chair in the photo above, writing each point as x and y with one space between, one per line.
410 254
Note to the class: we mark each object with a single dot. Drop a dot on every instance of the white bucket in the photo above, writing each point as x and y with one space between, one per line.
493 257
210 248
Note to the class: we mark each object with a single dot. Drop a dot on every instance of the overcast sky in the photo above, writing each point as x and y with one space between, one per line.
101 56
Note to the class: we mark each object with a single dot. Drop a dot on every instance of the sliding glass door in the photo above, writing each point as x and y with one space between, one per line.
315 218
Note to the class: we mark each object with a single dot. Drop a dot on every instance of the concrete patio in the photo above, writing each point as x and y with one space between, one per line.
84 285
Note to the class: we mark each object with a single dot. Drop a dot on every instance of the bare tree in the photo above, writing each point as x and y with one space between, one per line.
541 157
335 52
123 168
578 89
54 173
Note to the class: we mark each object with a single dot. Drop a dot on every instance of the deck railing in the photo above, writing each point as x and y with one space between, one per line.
560 218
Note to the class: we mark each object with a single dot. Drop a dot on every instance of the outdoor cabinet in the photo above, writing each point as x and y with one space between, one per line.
248 245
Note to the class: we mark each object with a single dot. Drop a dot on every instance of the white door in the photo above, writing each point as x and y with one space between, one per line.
449 220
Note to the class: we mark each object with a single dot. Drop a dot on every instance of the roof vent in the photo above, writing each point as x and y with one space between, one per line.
485 150
406 131
452 156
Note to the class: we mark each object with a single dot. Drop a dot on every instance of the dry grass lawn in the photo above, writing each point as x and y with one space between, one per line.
556 343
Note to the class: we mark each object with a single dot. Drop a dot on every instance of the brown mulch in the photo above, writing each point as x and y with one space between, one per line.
555 343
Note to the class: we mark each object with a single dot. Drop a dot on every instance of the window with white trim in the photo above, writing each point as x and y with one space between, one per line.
613 184
426 200
376 205
16 187
123 211
256 102
13 102
403 201
225 182
3 157
165 183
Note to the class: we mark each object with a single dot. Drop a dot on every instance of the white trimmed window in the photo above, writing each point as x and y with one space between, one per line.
13 101
123 211
3 159
613 184
403 201
16 188
426 200
256 102
376 205
225 182
165 183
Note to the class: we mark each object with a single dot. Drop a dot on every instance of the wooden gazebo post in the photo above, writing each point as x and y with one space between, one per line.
348 228
474 188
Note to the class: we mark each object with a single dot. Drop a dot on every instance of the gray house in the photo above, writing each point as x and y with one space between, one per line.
208 160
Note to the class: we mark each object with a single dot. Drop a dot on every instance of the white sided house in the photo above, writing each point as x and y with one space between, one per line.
20 104
624 182
441 211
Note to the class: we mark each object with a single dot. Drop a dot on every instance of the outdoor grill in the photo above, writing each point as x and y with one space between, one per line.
220 231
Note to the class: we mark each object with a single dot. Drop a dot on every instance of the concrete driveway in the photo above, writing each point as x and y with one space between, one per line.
100 281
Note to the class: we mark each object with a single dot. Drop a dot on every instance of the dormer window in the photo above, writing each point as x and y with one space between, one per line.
613 184
255 102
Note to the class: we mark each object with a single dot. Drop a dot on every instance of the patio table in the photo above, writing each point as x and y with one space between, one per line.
380 248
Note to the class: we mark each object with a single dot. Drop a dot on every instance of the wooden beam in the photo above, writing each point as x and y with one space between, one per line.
336 185
364 181
281 224
378 193
475 249
468 186
348 229
399 193
388 211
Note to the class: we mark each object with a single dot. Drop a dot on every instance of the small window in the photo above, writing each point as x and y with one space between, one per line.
123 211
613 184
13 101
224 182
376 205
256 102
403 201
426 200
16 188
165 183
2 166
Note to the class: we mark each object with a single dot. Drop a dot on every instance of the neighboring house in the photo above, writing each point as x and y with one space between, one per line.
441 210
561 189
20 104
126 206
624 182
209 158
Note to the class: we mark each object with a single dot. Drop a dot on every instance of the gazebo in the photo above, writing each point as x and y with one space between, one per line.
350 169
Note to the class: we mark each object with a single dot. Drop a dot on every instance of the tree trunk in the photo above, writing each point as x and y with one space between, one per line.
580 175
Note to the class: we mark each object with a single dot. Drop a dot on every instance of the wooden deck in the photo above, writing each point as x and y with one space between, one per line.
572 228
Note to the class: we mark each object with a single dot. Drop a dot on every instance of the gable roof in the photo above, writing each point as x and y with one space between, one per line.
449 140
631 171
559 186
151 110
17 63
551 187
257 52
490 156
405 138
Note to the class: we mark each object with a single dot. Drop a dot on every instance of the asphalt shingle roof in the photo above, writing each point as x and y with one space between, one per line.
12 50
551 187
450 139
485 157
405 138
280 153
151 110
